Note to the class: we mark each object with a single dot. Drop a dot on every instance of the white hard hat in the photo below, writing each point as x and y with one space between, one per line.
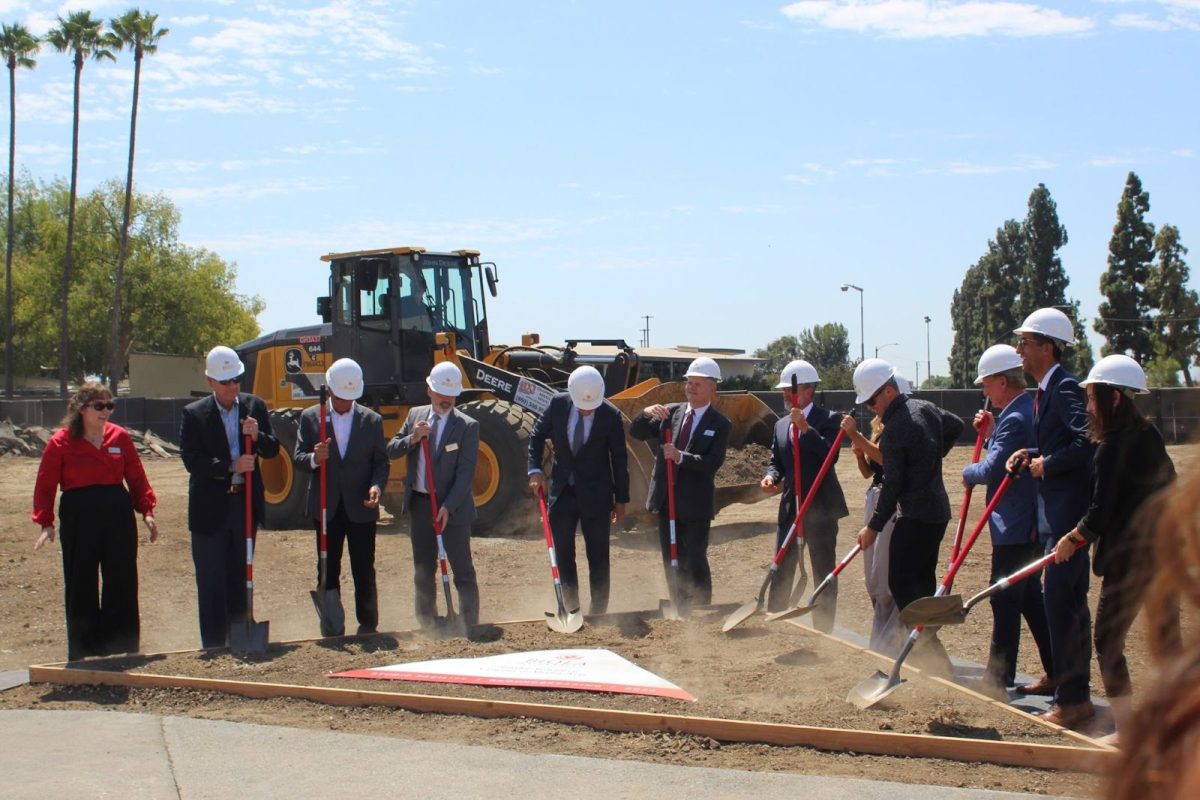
804 372
1049 322
703 368
870 376
903 385
996 359
1118 370
222 363
345 379
586 387
445 379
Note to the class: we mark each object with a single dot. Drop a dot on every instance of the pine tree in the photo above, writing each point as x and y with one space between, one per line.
1177 327
1125 314
968 318
1044 283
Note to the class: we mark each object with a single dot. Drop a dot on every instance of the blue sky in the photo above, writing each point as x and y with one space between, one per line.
722 167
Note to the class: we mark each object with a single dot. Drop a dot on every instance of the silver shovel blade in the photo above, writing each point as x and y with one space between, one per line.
929 612
669 610
248 637
874 689
741 615
789 613
564 621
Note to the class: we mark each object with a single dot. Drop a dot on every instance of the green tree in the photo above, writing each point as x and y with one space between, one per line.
133 29
1044 283
1177 334
934 382
1078 359
82 36
1125 314
18 46
967 317
1004 270
827 347
778 353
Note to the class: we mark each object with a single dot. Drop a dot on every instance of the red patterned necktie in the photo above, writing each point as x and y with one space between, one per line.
1037 400
685 433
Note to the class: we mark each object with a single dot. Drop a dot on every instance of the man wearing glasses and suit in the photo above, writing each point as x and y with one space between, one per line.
212 438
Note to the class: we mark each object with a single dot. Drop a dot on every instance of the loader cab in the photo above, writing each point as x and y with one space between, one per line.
388 307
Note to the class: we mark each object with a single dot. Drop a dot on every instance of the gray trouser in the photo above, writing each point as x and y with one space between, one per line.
887 634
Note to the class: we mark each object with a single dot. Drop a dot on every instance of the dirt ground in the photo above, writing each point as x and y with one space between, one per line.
767 673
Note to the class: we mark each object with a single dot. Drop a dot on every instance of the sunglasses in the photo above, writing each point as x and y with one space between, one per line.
102 406
230 381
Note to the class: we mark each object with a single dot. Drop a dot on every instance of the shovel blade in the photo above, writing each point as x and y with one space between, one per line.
741 615
873 690
669 611
328 603
563 621
789 613
248 637
929 612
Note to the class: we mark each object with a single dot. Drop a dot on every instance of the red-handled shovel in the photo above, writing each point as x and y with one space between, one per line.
668 607
797 489
249 636
754 606
437 530
966 503
328 602
877 687
812 601
562 621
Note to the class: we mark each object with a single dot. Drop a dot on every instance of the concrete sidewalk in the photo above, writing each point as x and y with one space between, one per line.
102 754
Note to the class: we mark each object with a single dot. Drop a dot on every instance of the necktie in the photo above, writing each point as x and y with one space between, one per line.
577 436
1037 400
685 433
433 437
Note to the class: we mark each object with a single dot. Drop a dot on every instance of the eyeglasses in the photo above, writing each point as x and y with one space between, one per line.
873 399
102 406
230 381
1030 342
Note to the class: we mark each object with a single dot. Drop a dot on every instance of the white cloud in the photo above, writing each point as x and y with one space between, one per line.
1184 152
1140 21
1023 164
1109 161
924 19
243 191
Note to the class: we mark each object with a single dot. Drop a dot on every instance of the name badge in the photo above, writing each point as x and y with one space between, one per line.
450 448
115 450
710 432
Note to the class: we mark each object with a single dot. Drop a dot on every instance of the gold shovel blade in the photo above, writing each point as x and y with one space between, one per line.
930 612
871 691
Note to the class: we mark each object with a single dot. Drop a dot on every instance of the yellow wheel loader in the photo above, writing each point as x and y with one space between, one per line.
397 312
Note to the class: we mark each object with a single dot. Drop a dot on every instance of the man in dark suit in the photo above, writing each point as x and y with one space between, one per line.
816 427
699 437
357 471
1062 466
211 440
589 484
454 448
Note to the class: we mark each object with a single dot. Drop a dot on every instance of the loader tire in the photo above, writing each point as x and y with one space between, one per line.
284 488
501 483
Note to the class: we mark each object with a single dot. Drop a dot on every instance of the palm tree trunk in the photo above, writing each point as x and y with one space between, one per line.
116 361
64 345
8 240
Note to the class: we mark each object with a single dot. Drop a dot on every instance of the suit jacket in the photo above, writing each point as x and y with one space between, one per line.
206 457
349 478
695 476
1014 520
600 468
453 461
1062 437
830 502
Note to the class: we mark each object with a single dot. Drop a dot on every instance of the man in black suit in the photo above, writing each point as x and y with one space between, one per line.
816 428
211 440
699 437
589 484
357 471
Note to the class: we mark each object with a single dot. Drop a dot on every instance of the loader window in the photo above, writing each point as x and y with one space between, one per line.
373 305
343 308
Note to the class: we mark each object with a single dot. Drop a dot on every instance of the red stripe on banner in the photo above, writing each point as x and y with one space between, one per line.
530 683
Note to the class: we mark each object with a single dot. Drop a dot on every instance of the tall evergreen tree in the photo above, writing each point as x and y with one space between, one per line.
1044 283
133 29
967 317
1177 334
82 36
17 46
1125 314
1004 271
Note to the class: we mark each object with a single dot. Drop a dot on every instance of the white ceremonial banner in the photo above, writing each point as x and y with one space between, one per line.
581 670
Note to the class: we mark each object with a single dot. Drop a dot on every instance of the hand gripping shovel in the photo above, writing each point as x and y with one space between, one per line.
562 621
668 607
328 601
249 636
800 611
877 687
798 481
754 606
437 530
950 609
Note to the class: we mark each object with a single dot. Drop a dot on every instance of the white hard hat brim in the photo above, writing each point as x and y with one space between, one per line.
236 373
588 405
443 390
347 392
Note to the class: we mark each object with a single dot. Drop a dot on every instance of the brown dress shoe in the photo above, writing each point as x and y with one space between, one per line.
1042 685
1070 716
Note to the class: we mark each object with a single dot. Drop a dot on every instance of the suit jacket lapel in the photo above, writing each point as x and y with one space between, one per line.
214 415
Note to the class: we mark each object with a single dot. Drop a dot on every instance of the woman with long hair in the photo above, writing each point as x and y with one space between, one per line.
93 460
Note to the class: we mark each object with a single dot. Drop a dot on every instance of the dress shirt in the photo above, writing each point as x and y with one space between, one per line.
420 483
229 419
75 463
341 428
572 419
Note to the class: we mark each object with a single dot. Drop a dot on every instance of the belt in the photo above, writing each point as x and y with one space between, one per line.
415 493
237 488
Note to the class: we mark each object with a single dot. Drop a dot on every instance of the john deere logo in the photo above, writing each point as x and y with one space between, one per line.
293 360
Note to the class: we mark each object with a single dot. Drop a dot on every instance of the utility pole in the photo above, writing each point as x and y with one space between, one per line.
917 384
646 330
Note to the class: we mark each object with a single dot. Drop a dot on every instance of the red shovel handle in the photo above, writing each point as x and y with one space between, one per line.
812 493
966 548
541 493
966 503
797 478
248 490
324 475
433 503
670 475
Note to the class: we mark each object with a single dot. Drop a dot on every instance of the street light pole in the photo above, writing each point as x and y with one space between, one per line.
881 346
928 362
862 353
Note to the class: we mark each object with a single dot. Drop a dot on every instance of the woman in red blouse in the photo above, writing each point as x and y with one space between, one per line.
93 459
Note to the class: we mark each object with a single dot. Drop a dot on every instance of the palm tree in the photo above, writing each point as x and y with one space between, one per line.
18 47
83 36
133 29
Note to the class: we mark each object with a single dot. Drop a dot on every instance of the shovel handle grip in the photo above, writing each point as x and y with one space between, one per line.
324 470
248 491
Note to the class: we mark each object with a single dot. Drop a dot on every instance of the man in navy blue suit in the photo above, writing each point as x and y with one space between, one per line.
1013 522
1062 465
589 483
816 427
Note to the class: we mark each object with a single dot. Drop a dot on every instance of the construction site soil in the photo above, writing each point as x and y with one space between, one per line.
775 673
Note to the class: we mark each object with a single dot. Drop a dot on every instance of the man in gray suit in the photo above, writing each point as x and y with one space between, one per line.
357 470
454 448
